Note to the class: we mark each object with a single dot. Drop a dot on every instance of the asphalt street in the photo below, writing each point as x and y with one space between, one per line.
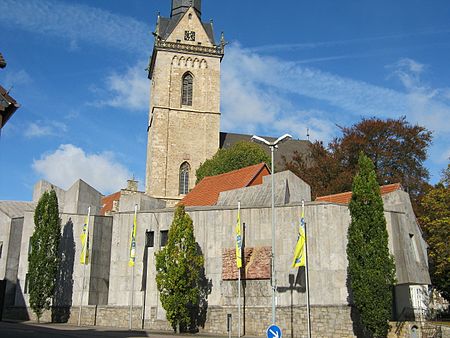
32 330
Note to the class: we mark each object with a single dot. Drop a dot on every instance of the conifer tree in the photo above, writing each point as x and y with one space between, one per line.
371 268
43 257
178 272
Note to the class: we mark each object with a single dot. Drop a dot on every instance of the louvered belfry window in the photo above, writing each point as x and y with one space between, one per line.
184 178
186 95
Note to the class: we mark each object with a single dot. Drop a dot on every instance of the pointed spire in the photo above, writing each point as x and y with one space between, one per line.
181 6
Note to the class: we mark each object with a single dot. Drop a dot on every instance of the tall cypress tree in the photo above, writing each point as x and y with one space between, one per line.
178 272
43 257
371 268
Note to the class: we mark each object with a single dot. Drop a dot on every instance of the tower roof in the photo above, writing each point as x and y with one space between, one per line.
181 6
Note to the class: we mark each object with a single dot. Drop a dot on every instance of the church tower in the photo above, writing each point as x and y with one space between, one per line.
184 119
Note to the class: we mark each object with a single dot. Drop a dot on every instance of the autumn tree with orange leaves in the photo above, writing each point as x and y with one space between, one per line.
397 149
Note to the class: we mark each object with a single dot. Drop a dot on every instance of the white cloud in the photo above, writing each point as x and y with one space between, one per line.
47 128
266 88
14 78
251 104
129 90
70 163
408 71
76 22
445 157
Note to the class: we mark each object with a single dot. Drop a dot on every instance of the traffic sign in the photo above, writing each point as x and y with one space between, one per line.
274 331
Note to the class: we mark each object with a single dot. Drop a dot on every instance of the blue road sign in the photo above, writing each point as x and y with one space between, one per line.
274 331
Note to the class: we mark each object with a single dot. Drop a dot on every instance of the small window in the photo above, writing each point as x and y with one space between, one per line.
26 286
149 239
1 249
164 238
184 178
186 92
30 249
414 248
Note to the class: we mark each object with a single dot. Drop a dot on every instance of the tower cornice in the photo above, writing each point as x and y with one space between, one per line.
178 47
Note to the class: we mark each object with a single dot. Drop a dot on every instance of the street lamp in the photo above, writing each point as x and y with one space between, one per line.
272 146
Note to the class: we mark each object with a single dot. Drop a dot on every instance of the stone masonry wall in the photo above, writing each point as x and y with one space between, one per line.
326 321
180 133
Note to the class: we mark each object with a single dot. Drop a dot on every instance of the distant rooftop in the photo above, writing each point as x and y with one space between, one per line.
8 106
345 197
2 61
286 150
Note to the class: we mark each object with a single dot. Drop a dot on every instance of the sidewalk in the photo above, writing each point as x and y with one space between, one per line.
26 329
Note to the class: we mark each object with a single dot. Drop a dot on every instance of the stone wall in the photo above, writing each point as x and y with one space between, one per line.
327 321
180 133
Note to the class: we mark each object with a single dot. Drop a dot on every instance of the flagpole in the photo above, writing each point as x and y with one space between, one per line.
132 274
308 305
84 266
132 299
239 280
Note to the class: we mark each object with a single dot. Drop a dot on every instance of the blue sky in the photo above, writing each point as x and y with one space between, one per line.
78 70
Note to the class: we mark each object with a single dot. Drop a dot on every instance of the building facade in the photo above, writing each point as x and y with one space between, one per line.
184 119
109 291
183 132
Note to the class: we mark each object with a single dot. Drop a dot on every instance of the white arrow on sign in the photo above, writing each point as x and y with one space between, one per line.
275 334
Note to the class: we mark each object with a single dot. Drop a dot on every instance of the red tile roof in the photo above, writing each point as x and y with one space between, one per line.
208 190
345 197
108 202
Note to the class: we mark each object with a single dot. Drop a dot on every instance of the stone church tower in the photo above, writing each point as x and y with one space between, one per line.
184 119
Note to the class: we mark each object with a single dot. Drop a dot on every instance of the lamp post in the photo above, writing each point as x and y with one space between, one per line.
272 146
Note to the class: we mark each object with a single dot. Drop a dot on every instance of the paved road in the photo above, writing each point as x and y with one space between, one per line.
28 330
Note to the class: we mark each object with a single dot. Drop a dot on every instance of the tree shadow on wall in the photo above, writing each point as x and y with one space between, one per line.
199 311
64 281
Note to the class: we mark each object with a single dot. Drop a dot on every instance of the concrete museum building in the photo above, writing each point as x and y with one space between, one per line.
184 131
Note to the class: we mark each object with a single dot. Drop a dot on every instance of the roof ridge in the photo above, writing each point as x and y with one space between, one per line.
256 173
236 170
382 188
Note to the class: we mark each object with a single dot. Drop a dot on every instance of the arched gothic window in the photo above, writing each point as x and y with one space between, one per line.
186 92
184 178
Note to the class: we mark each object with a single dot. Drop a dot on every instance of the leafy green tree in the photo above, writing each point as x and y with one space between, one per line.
436 226
43 258
240 155
179 267
371 268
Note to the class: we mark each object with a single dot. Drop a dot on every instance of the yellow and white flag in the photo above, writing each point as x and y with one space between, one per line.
300 252
133 241
84 257
238 240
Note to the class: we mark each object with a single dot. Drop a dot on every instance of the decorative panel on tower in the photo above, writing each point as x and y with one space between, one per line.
184 119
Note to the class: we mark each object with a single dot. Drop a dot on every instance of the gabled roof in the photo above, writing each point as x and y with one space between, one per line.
166 26
287 149
7 105
208 190
108 202
345 197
